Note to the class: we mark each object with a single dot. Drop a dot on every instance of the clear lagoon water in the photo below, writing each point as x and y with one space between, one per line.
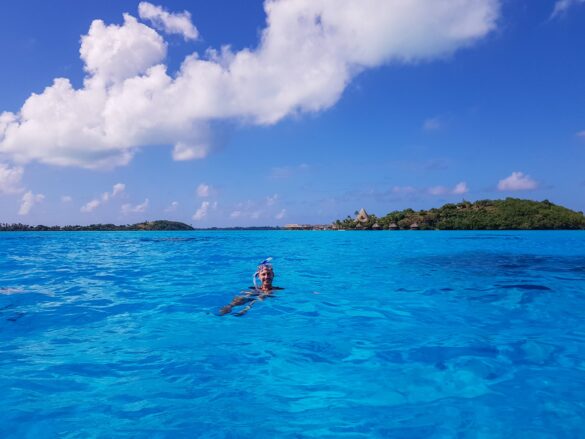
377 334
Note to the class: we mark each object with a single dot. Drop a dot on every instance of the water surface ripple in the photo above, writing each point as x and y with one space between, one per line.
377 334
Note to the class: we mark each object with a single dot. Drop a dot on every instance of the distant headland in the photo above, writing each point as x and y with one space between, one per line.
508 214
159 225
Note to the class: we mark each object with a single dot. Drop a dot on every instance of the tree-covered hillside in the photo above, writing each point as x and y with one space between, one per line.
508 214
147 225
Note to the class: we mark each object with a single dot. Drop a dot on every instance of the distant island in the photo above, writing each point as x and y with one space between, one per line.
147 225
508 214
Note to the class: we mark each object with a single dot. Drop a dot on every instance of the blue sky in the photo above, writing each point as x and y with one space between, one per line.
321 111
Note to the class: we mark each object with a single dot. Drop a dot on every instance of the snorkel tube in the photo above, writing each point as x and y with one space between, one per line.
265 262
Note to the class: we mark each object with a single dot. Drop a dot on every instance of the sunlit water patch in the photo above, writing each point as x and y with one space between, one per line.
377 334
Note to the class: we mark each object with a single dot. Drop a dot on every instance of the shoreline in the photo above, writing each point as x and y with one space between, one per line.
277 229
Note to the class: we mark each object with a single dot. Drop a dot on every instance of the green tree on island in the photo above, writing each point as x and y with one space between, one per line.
508 214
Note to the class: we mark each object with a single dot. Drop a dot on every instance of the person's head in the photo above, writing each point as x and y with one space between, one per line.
265 273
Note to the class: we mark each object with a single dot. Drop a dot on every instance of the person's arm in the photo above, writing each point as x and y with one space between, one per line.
246 309
237 301
261 296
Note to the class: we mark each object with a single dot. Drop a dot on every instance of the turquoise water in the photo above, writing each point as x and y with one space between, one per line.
377 334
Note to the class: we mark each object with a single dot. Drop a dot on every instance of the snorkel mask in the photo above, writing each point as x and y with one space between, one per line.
265 263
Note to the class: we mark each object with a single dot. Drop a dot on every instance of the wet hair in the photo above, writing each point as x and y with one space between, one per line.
263 267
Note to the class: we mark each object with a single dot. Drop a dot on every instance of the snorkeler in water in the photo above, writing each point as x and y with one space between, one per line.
265 273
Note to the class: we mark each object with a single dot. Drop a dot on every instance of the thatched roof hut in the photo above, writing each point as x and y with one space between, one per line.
414 226
376 226
362 216
393 226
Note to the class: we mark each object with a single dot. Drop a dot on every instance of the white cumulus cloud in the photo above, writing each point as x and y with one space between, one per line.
308 53
460 188
271 200
177 23
249 209
28 201
92 205
172 207
562 6
114 53
518 181
10 178
138 208
203 210
118 188
66 199
438 190
203 190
